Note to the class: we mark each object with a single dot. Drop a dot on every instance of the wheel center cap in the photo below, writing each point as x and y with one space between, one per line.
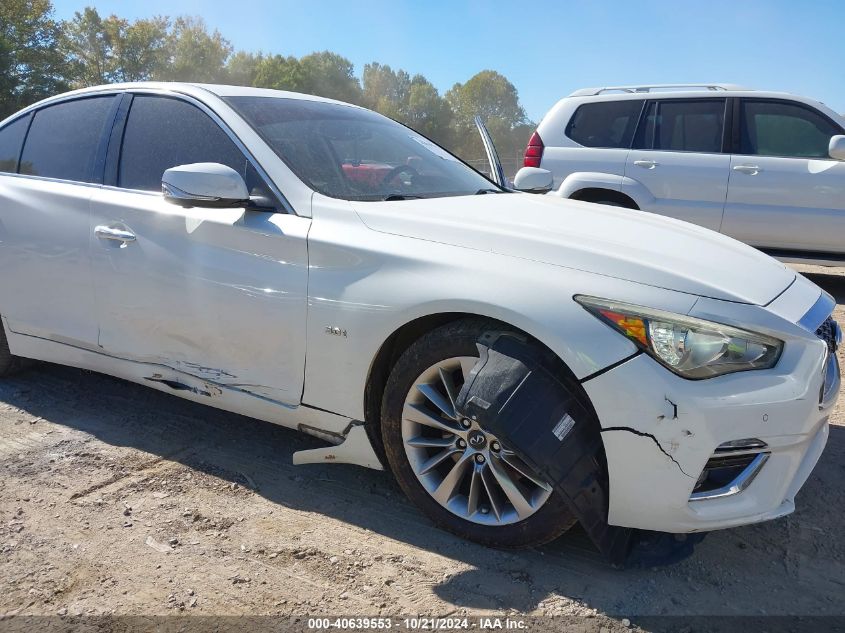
477 439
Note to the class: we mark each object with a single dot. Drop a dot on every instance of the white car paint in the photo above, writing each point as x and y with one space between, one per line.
788 204
281 316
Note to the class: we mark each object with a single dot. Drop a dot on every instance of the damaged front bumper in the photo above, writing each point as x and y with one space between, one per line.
662 434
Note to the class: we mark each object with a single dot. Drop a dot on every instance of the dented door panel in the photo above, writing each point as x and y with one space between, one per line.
219 294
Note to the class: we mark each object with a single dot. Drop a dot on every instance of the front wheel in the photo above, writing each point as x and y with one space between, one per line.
463 477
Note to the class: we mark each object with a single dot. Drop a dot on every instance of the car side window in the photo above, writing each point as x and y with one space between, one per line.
63 139
163 132
679 125
605 123
11 142
776 128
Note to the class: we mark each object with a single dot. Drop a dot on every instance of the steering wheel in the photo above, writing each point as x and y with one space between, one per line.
391 175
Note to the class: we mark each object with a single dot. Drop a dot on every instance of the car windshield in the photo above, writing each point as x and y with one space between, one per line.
355 154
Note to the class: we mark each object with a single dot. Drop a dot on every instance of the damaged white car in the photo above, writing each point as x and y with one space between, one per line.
518 362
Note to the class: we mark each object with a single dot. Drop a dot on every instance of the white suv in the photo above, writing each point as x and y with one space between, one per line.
763 167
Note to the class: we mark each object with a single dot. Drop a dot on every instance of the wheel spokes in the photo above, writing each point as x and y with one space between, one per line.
447 488
431 442
511 489
416 413
451 390
475 486
489 485
434 397
433 462
510 458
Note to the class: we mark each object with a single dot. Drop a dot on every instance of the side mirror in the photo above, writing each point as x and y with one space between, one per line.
209 185
836 149
533 180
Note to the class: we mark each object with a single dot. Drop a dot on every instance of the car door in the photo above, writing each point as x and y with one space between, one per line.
677 157
785 192
219 294
52 164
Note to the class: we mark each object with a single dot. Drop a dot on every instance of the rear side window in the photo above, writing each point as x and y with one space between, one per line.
605 124
11 141
677 125
64 138
775 128
162 133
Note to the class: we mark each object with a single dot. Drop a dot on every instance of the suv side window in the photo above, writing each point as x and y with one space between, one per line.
163 132
777 128
605 123
11 141
681 125
64 138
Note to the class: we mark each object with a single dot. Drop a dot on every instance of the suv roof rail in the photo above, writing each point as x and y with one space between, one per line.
591 92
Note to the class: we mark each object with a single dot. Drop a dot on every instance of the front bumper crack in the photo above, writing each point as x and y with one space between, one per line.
653 439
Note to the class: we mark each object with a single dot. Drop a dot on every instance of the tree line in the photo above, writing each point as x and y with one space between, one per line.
41 56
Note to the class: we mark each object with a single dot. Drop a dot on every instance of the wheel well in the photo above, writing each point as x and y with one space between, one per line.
595 194
404 337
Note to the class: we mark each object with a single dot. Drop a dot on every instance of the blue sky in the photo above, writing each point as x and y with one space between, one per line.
547 49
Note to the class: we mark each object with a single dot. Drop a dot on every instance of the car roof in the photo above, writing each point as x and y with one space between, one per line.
197 90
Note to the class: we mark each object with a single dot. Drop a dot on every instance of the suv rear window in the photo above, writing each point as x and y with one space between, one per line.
11 140
605 123
63 139
678 125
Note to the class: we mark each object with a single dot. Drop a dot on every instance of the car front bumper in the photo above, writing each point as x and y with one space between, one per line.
659 432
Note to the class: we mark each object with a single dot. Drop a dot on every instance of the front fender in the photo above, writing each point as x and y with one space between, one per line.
364 285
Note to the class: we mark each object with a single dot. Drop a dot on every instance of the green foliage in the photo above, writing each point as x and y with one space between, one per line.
492 97
324 74
412 101
39 57
31 67
194 54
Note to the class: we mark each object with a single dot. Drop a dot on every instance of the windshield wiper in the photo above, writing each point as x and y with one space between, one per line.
401 196
481 192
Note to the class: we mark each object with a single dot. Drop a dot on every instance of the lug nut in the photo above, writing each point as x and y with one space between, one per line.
479 458
495 446
466 423
462 443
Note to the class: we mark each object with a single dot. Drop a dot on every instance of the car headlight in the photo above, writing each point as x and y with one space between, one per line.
692 348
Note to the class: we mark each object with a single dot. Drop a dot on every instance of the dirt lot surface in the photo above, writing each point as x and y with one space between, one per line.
116 499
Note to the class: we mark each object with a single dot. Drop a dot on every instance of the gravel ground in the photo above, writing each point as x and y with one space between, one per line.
116 499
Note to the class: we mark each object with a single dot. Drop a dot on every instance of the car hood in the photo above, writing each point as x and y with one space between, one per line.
621 243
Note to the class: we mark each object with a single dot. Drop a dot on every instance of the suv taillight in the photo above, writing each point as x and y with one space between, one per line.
534 151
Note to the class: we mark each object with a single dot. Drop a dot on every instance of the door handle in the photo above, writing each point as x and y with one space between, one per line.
648 164
751 170
111 233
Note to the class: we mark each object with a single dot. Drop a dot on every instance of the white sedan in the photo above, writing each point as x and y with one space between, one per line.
316 265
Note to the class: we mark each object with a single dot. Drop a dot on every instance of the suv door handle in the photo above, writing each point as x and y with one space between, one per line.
648 164
109 233
751 170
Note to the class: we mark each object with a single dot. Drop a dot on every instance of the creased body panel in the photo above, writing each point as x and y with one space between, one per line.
214 293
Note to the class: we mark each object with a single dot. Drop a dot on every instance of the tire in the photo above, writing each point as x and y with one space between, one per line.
502 525
9 363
